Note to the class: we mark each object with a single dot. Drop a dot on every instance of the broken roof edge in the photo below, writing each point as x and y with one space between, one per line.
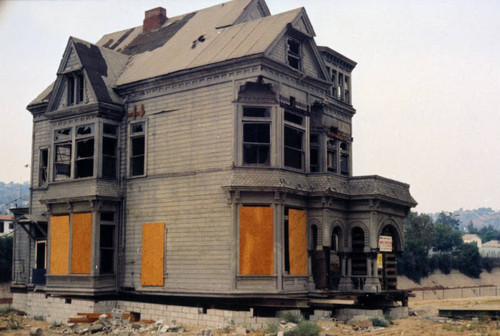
42 98
183 72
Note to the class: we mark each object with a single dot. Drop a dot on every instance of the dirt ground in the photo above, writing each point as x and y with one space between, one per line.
426 322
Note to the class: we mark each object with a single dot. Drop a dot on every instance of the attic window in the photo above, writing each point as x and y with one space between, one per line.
293 53
75 88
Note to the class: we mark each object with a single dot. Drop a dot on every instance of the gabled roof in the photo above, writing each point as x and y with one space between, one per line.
101 67
195 40
228 31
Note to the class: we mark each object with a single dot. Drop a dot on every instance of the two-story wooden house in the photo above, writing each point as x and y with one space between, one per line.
205 154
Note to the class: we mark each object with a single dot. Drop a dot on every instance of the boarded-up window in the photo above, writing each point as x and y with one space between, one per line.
297 236
81 243
153 246
256 241
59 244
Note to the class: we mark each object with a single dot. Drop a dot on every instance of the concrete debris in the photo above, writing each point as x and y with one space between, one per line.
36 331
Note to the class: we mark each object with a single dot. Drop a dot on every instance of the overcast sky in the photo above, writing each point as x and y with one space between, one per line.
426 88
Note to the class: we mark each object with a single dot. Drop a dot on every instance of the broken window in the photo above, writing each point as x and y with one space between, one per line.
43 166
293 53
256 135
75 88
137 149
109 150
84 161
107 243
62 161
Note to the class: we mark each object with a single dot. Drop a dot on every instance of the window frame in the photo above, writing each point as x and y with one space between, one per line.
43 170
75 88
130 138
297 128
292 55
82 139
103 156
114 242
63 141
256 120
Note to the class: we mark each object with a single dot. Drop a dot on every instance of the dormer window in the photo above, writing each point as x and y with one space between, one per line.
75 88
293 53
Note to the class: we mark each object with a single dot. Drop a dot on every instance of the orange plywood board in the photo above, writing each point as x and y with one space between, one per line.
59 244
153 247
256 241
81 243
297 242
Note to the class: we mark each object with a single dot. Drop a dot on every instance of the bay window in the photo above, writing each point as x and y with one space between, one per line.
256 135
293 140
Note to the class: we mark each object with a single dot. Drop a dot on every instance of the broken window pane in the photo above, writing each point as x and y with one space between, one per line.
137 128
84 158
85 130
63 134
293 148
256 143
43 168
62 161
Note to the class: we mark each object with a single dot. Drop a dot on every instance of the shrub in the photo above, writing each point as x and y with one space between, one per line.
292 317
272 328
304 328
380 322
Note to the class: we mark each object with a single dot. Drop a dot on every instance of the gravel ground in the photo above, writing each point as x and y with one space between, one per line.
426 322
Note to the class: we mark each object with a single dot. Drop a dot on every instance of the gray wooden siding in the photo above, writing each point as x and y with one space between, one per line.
196 135
309 62
198 223
42 139
278 53
189 154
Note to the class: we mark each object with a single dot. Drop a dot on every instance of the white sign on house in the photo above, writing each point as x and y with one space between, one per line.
385 243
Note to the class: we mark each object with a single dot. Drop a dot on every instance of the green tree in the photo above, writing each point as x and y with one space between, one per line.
445 238
468 260
448 219
414 262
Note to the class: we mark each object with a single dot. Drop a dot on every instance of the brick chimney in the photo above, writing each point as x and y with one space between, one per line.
154 19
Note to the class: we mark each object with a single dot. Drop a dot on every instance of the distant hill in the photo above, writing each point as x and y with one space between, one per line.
479 217
13 195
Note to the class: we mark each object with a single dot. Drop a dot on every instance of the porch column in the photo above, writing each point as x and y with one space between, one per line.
345 283
372 283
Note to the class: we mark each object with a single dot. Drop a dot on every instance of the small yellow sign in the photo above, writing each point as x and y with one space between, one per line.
380 263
